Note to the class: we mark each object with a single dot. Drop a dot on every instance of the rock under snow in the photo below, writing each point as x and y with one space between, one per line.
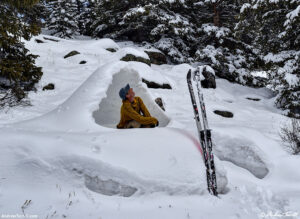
243 153
208 73
223 113
72 53
157 58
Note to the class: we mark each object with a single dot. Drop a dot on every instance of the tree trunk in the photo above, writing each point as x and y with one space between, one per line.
216 14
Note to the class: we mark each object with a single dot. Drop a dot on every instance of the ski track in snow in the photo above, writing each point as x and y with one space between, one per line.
56 154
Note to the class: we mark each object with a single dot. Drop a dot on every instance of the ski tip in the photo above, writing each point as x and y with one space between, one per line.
189 74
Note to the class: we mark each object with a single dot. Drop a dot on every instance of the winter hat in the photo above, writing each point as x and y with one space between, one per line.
123 91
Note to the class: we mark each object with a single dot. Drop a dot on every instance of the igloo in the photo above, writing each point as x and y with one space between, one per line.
108 114
96 104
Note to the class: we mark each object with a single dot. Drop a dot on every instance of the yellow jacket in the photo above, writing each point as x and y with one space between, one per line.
131 111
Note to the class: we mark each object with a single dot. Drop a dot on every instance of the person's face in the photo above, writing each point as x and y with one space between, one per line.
130 94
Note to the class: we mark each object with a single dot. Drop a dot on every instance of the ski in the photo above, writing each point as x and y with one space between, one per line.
207 134
204 134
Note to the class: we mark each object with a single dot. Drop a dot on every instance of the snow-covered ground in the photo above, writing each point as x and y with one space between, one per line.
62 157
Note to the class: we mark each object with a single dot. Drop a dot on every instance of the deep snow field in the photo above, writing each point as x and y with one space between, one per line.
62 157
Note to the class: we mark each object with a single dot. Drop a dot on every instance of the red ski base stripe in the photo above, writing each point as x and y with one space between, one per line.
192 138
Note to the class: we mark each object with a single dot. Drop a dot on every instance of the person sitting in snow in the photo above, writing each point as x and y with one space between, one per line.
131 110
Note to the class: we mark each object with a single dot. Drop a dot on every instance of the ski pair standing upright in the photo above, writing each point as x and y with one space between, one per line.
204 133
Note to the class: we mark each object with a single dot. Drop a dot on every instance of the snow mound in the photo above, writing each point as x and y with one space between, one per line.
146 165
128 50
122 162
152 163
79 112
108 114
243 153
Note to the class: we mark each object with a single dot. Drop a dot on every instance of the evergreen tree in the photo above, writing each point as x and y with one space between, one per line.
87 15
80 5
219 47
163 23
18 72
63 20
187 31
37 14
273 29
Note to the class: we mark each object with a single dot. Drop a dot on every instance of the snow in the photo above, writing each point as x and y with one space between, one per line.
291 79
167 44
211 52
218 31
262 74
244 7
271 57
134 11
294 13
65 155
206 68
289 68
128 50
243 153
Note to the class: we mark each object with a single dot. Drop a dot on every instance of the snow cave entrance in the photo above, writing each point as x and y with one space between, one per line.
108 114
